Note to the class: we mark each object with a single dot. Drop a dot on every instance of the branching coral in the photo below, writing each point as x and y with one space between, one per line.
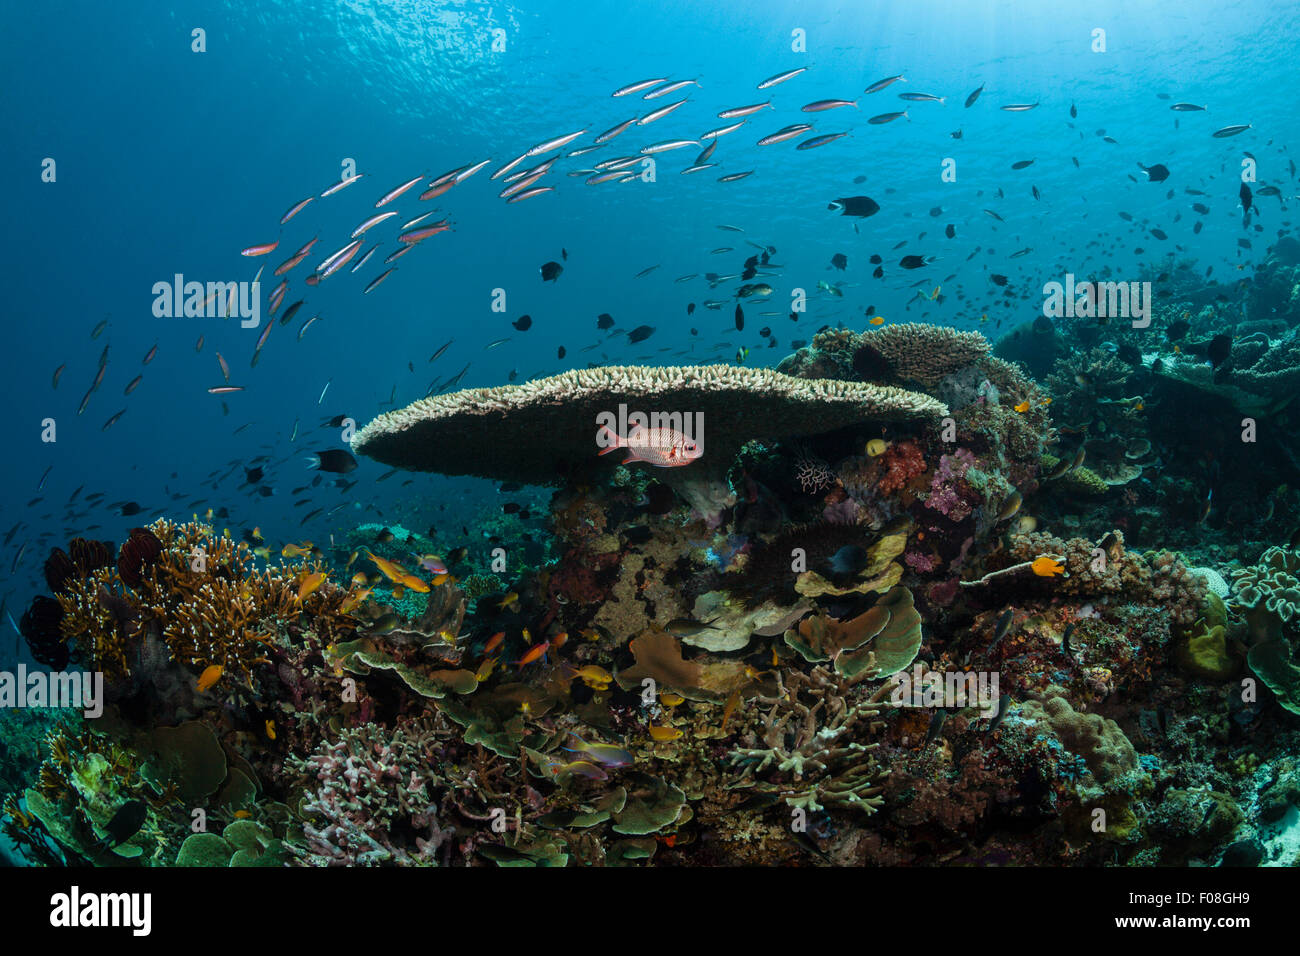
202 595
372 798
809 743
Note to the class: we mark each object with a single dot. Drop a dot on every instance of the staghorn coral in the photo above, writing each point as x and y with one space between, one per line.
809 743
372 797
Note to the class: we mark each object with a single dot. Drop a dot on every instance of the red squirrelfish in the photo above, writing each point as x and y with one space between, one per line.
661 447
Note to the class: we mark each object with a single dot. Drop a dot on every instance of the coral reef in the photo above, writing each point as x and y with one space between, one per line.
708 664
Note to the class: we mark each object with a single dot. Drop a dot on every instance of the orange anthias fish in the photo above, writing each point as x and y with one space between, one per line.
310 583
493 642
534 653
1046 567
730 708
353 601
211 674
661 447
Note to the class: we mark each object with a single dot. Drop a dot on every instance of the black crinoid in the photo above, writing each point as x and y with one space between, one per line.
774 566
40 627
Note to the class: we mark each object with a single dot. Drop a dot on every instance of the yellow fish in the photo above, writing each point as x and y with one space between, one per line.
310 583
664 734
1046 567
359 579
593 674
390 569
1022 407
730 708
669 699
263 553
211 674
877 446
257 534
243 814
270 729
485 669
414 583
876 320
511 600
296 550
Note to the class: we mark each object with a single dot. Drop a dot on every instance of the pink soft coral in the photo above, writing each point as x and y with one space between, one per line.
949 493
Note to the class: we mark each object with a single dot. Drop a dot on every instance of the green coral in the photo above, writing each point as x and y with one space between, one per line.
242 843
1204 651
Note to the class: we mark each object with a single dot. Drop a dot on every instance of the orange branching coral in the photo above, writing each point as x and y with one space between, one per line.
203 597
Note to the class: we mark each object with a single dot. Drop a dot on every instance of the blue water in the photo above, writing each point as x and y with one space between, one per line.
171 161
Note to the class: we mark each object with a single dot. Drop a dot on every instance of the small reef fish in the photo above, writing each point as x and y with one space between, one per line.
605 754
354 601
685 627
534 653
594 676
310 584
211 674
1046 567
